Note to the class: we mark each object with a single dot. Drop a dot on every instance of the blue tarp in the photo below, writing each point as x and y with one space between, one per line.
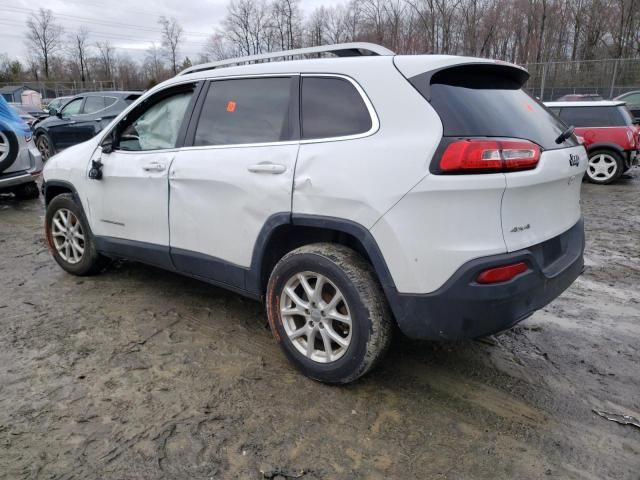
11 120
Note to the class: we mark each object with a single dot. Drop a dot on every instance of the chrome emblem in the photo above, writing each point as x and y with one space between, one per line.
520 228
574 160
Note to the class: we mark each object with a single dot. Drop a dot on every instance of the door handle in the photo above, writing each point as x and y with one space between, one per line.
272 168
154 167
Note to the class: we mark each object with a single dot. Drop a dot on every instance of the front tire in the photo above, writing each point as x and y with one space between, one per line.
605 167
327 311
70 239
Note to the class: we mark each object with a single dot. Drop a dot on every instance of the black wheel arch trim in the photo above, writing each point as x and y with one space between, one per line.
47 184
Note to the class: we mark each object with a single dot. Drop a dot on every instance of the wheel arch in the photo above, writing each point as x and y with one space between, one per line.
284 232
605 146
53 188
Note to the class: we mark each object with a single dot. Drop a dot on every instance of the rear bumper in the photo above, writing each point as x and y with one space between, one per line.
463 308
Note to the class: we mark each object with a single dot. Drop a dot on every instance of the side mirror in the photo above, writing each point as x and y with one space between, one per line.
53 111
58 114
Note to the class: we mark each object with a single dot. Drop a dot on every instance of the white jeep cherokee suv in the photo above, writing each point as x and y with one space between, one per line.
348 193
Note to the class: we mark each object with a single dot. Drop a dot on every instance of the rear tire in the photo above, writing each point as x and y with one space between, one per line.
334 333
70 239
605 166
27 191
8 149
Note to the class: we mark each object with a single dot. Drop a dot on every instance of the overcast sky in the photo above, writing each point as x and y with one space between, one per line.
130 25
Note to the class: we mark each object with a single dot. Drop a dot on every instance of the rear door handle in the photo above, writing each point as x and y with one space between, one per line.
154 167
272 168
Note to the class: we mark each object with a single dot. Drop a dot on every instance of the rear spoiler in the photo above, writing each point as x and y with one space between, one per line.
462 72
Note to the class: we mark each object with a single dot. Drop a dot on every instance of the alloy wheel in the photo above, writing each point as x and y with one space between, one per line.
602 167
68 236
4 146
44 147
316 317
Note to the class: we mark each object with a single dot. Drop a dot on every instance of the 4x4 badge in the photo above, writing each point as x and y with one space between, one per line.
574 160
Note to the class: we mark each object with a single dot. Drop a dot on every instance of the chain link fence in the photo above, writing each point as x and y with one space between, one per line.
607 78
51 90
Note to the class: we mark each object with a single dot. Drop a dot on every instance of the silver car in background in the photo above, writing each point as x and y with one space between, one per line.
20 164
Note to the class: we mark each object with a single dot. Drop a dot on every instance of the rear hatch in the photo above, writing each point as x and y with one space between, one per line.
486 113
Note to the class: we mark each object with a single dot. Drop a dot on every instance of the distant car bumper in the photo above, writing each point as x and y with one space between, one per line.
17 178
464 308
30 174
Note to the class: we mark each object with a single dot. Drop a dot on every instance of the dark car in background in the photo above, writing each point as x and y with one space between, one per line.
79 119
632 99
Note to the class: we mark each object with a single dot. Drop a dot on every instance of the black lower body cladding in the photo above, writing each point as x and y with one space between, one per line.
463 308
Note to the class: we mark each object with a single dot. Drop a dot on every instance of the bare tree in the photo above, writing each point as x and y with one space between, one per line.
44 35
172 34
247 27
79 50
217 48
153 63
107 59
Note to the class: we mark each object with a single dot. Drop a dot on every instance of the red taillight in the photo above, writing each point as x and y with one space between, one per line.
502 274
471 155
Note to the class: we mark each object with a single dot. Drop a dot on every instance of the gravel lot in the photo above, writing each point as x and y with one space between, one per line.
140 373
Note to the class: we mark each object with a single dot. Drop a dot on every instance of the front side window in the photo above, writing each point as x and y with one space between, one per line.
155 125
594 116
245 111
332 107
72 108
93 104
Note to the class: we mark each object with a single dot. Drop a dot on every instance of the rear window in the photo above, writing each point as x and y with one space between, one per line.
488 101
93 104
596 116
332 107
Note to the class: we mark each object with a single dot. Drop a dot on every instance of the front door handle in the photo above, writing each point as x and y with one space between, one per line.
272 168
154 167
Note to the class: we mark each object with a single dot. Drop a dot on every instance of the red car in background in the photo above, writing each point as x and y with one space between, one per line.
610 135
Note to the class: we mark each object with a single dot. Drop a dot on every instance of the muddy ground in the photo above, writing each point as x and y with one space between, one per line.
140 373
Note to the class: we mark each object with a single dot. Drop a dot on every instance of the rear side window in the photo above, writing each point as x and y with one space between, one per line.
249 110
488 101
332 107
595 116
93 104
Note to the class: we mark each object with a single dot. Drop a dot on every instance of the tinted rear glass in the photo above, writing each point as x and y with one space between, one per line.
332 107
253 110
595 116
484 103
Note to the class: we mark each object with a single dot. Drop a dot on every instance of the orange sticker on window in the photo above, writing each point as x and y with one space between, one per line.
231 106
